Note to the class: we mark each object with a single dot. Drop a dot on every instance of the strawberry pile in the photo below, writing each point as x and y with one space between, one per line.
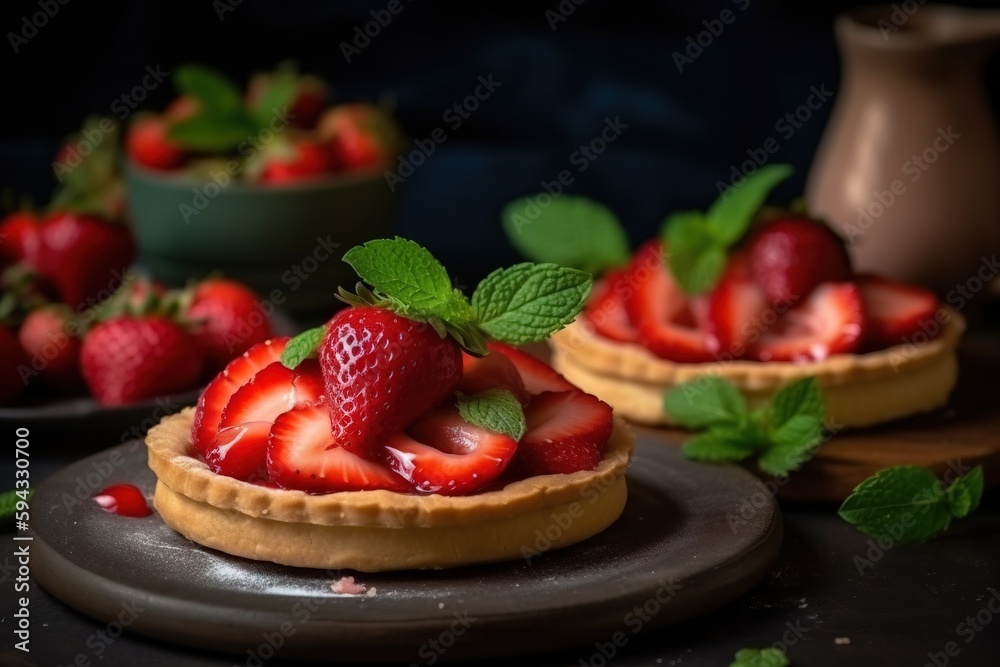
733 283
278 131
412 388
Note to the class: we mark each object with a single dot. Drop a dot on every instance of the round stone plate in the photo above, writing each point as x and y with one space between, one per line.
692 537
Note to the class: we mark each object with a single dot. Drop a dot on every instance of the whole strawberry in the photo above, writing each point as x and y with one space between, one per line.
227 320
294 160
49 338
383 371
11 358
133 357
359 136
83 256
19 237
147 144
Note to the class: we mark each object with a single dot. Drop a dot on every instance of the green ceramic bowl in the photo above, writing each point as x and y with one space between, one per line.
284 241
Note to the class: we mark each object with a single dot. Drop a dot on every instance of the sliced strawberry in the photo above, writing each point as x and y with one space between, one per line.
302 454
442 453
216 396
567 432
606 309
240 451
829 321
895 311
274 390
494 371
736 307
667 325
537 375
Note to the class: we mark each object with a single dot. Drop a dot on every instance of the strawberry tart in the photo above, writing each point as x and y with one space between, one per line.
760 298
407 432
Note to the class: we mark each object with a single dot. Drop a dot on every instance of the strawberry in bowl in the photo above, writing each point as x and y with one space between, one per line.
759 297
406 432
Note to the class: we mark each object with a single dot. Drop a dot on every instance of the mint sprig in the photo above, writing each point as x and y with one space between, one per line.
497 410
781 435
908 505
760 657
570 231
696 242
522 304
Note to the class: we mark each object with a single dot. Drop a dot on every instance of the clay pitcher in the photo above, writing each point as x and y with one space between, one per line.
909 166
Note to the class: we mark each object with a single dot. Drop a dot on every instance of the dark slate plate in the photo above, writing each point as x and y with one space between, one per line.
692 538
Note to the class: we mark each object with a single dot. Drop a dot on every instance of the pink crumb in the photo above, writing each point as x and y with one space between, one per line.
347 586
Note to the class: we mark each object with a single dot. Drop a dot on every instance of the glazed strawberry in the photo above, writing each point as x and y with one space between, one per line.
11 357
442 453
49 339
228 320
82 255
273 390
124 500
147 144
240 451
736 309
667 323
789 257
537 375
295 160
567 432
829 321
494 371
606 308
302 454
215 398
382 371
129 358
19 237
894 311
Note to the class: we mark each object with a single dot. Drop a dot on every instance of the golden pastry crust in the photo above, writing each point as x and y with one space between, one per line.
860 389
380 530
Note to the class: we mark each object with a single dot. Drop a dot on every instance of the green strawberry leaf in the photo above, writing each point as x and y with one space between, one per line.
802 397
496 410
705 402
729 217
696 260
527 302
792 444
902 503
406 273
302 347
760 657
212 132
571 231
724 442
216 92
965 494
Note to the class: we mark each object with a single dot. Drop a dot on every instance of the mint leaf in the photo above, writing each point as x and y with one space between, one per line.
571 231
496 410
760 657
212 132
278 95
964 495
406 273
792 444
902 503
705 402
729 217
719 443
527 302
696 260
302 347
216 92
802 397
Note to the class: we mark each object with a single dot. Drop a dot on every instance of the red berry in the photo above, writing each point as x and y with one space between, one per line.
829 321
49 338
537 375
494 371
895 311
567 432
240 451
147 144
228 320
295 161
19 237
124 500
736 309
606 308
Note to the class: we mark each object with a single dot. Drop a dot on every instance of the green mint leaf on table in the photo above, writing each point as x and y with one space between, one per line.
907 505
696 242
496 410
302 347
214 90
730 215
781 436
571 231
527 302
705 402
760 657
406 273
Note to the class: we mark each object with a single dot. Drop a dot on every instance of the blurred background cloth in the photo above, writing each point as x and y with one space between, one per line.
688 118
